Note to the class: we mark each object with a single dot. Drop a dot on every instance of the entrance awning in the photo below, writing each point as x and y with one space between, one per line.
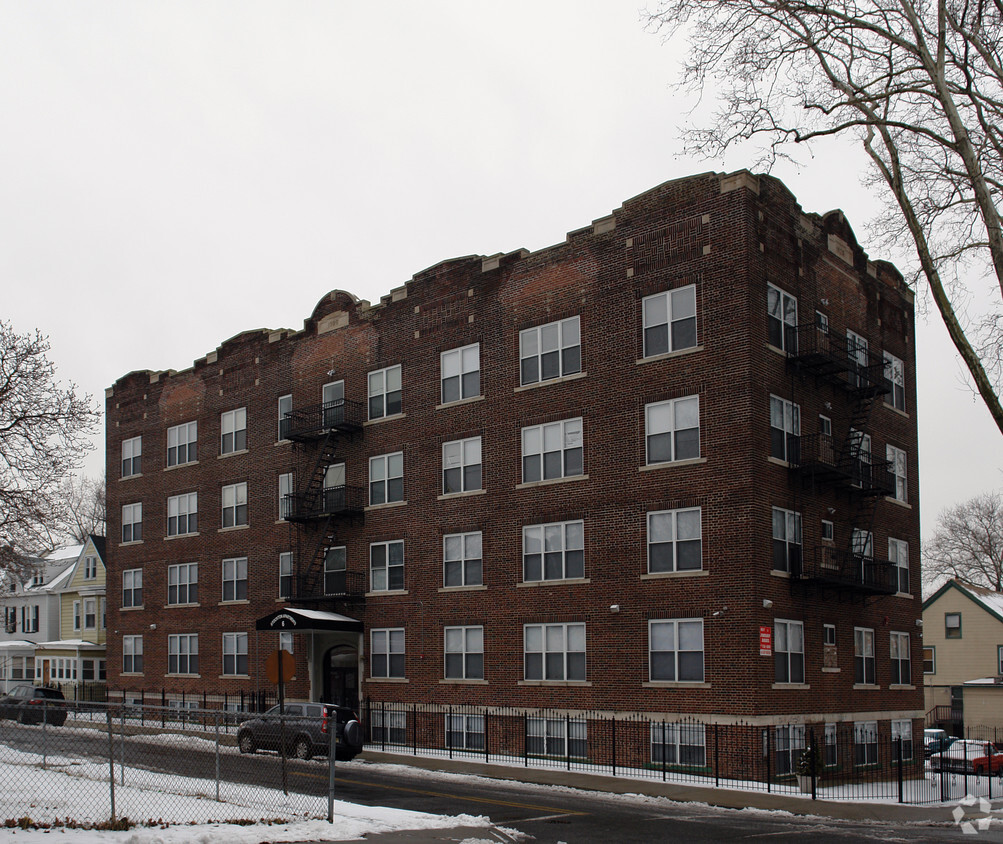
294 619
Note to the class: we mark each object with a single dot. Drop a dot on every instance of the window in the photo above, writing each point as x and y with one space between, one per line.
87 669
856 352
29 619
902 732
860 457
550 351
865 743
90 568
675 650
235 579
678 744
862 544
76 615
386 566
674 541
336 571
464 653
822 322
560 737
332 396
461 559
182 444
828 531
670 321
952 625
132 523
183 583
388 652
553 552
285 495
824 426
830 758
233 431
461 465
235 505
335 499
132 654
863 656
460 373
465 732
552 451
896 458
90 614
132 588
286 575
385 392
285 408
786 541
554 651
183 514
895 375
785 430
829 634
901 667
386 478
132 456
790 743
183 653
235 654
672 430
898 556
782 319
930 660
388 726
788 651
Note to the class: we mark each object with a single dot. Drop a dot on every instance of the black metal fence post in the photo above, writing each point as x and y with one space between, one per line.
898 756
613 737
717 746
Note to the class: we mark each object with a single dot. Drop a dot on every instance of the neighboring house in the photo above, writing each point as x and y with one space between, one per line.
74 659
963 656
31 616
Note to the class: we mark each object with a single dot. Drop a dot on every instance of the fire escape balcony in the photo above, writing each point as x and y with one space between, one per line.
848 570
312 423
337 585
842 463
332 501
829 357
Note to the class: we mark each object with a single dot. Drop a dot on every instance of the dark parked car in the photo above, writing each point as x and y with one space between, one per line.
306 731
32 704
936 741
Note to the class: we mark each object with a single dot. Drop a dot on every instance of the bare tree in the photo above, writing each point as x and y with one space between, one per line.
968 543
85 507
918 82
44 433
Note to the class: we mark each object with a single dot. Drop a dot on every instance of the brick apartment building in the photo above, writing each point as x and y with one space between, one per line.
666 466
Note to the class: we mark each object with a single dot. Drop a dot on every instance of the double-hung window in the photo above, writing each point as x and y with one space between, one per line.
902 733
675 650
550 351
385 392
554 651
786 541
858 358
183 653
90 568
460 373
235 654
132 522
670 321
898 556
896 458
562 738
234 505
76 615
790 744
464 653
386 478
132 588
182 444
235 579
678 744
387 658
674 541
782 319
183 514
336 570
461 465
233 431
865 742
285 408
554 450
672 430
285 495
895 376
286 575
863 656
553 552
132 456
901 659
952 625
785 430
461 559
465 731
90 613
132 654
788 651
183 583
386 566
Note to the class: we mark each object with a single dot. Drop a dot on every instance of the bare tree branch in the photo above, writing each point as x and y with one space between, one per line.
968 544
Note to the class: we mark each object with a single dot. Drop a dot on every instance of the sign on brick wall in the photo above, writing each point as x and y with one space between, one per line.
765 640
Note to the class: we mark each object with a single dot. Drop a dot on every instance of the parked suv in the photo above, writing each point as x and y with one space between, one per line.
30 704
306 731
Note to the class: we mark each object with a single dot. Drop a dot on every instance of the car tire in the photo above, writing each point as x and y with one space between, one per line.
302 749
22 717
246 743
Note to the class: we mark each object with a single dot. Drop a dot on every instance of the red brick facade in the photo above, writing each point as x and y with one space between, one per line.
730 238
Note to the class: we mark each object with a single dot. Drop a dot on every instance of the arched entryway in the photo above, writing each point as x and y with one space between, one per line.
341 676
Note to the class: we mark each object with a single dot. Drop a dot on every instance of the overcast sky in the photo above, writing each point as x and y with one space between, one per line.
176 173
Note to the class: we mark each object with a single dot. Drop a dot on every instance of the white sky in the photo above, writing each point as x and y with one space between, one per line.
176 173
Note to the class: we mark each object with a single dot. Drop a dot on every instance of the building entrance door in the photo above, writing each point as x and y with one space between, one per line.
341 676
